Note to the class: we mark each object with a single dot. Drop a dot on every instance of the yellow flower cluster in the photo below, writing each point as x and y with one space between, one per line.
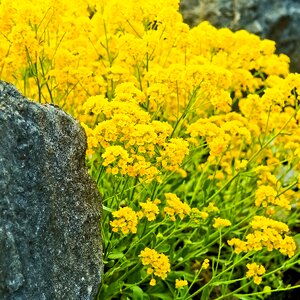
255 271
180 283
176 207
224 134
220 223
197 216
125 76
158 263
149 209
267 233
117 157
173 154
270 192
220 131
125 220
205 264
266 195
129 131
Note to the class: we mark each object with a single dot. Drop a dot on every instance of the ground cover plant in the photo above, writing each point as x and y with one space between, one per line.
193 140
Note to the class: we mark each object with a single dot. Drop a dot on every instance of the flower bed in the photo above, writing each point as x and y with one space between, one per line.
193 139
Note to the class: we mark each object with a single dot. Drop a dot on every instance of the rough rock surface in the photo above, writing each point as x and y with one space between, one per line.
50 209
277 20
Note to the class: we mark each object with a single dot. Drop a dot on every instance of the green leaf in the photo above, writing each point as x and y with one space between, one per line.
205 293
138 293
134 277
206 184
297 239
162 296
110 290
163 248
140 229
139 248
107 209
181 274
109 263
115 255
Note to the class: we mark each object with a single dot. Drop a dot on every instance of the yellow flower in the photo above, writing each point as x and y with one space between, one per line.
211 208
267 233
257 279
114 154
205 264
176 207
127 91
152 282
180 283
125 220
260 222
150 209
217 145
266 195
220 223
173 154
92 140
255 271
95 104
240 246
159 262
241 164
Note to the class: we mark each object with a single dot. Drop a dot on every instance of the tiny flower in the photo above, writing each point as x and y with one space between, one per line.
257 279
153 282
180 283
205 264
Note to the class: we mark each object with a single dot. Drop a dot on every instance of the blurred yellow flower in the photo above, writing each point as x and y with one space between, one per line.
255 271
180 283
220 223
176 207
205 264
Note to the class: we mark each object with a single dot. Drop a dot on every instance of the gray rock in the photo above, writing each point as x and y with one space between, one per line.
278 20
50 209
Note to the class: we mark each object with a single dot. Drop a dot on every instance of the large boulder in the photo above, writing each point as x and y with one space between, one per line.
277 20
50 209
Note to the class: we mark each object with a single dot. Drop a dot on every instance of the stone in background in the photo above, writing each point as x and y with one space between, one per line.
277 20
50 209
